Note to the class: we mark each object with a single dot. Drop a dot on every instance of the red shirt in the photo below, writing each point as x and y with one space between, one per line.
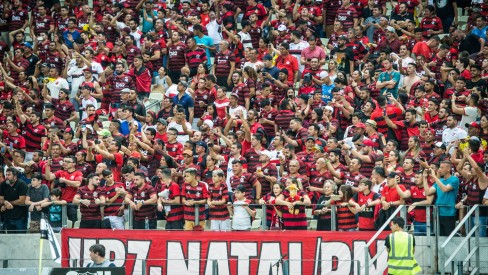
288 62
390 193
68 192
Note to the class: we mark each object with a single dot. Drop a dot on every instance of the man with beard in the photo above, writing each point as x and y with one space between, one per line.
452 132
266 172
351 177
176 56
344 56
141 198
90 198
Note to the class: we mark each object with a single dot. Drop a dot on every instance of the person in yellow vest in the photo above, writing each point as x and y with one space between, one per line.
401 250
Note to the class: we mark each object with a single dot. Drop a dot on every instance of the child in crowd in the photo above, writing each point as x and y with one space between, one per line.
55 207
241 210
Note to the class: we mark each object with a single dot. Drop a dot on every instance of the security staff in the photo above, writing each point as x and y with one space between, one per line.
401 249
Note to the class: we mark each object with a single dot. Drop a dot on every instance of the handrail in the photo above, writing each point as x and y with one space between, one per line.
375 236
474 251
461 223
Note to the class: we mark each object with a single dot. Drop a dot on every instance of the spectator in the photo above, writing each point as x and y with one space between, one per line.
12 199
241 210
37 194
141 198
90 198
97 255
445 188
194 195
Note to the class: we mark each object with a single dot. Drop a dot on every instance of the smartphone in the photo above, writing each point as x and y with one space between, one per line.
83 127
2 151
384 112
11 147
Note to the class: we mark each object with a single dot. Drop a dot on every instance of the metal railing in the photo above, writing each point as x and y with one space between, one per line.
367 262
457 267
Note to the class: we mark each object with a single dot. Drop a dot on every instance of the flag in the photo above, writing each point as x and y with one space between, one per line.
47 233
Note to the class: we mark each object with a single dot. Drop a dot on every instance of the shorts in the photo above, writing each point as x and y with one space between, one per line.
220 225
190 225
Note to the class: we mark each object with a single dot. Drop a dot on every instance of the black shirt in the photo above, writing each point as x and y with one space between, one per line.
11 193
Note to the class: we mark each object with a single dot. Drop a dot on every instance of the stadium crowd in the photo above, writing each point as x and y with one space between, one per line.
256 108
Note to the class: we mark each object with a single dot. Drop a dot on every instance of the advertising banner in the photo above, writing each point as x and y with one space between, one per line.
249 252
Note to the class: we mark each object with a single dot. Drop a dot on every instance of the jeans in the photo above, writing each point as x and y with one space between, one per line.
420 229
116 222
482 224
18 226
142 224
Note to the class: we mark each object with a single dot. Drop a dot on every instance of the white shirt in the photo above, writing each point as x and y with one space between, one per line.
296 50
245 37
85 102
57 85
241 219
75 77
96 68
213 31
470 115
182 137
233 110
450 135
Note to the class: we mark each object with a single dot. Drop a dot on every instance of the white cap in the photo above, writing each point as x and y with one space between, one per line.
330 108
462 134
267 153
209 123
323 74
282 28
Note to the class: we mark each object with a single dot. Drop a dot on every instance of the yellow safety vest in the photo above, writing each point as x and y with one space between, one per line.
401 259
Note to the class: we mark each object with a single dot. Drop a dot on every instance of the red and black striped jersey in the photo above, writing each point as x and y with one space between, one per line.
194 193
91 212
218 193
143 194
176 56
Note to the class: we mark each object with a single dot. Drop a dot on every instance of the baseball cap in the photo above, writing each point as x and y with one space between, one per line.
126 29
183 83
392 175
162 121
441 145
27 44
473 124
368 142
188 152
67 130
360 125
267 57
235 94
88 69
267 153
323 74
209 123
104 133
201 143
390 29
282 28
318 148
330 108
371 122
310 137
285 71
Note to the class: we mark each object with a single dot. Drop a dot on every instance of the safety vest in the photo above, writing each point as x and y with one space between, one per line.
401 258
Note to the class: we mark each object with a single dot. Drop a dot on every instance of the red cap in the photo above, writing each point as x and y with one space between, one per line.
368 142
360 125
